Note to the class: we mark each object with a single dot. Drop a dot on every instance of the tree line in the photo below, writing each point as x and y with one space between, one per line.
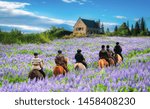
139 29
16 36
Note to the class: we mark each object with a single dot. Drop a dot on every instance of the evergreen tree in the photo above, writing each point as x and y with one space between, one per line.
107 31
137 28
103 31
123 30
128 24
116 28
143 25
132 29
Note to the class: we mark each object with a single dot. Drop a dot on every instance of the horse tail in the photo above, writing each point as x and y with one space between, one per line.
77 67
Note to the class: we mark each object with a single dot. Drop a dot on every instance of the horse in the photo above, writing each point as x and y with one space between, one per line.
35 74
118 58
59 70
103 63
79 66
112 62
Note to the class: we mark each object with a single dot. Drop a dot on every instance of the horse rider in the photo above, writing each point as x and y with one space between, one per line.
60 60
38 64
80 58
103 54
118 49
110 53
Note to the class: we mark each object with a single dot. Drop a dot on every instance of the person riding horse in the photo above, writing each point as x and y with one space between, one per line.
60 60
118 49
103 54
80 58
110 53
37 64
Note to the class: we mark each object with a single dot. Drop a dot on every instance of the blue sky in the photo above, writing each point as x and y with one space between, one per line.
39 15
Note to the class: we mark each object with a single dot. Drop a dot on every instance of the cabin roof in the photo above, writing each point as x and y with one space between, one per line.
90 23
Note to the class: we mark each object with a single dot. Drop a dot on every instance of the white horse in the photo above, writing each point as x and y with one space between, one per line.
79 66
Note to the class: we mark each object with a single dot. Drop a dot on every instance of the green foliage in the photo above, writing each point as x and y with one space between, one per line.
49 73
148 89
100 88
123 30
15 79
16 36
139 29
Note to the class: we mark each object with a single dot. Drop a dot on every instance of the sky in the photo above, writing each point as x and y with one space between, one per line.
40 15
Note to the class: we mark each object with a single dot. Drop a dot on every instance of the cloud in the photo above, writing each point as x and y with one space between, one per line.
24 27
13 14
12 5
136 19
120 17
81 2
110 25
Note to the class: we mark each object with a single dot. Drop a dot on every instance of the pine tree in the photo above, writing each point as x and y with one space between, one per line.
103 31
132 30
116 28
107 31
137 28
143 25
143 30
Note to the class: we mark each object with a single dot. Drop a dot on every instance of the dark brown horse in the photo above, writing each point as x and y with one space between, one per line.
35 74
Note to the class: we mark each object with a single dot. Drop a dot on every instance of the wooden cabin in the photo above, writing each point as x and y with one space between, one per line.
86 27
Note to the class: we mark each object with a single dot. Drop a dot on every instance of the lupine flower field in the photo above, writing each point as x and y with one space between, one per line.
133 75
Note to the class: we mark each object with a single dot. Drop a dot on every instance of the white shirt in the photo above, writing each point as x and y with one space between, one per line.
37 63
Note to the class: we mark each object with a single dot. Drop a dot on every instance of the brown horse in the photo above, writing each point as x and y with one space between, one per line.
59 70
118 58
112 62
35 74
103 63
79 66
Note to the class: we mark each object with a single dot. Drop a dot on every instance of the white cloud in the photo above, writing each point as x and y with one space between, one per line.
81 2
12 5
25 27
136 19
110 23
120 17
14 14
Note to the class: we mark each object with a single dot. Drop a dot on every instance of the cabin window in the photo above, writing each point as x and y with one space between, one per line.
79 29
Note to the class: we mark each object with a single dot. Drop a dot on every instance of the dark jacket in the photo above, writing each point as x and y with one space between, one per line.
103 54
117 49
60 60
79 57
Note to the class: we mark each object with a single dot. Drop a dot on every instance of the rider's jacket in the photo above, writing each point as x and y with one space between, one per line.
37 63
79 58
103 54
60 60
117 49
